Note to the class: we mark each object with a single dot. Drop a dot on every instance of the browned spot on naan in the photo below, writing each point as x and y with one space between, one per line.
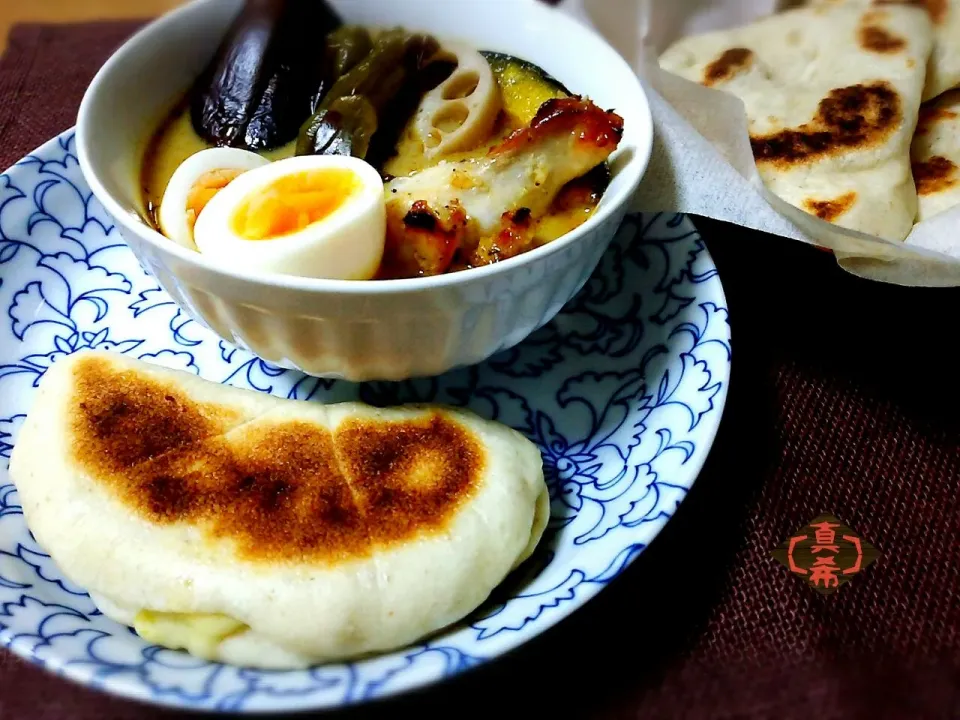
880 40
851 118
830 210
406 476
278 489
727 65
936 8
877 15
123 419
934 175
930 116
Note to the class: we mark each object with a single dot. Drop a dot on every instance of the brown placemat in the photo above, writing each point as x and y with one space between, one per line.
844 400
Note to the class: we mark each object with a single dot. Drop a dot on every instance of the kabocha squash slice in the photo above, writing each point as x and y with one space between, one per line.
524 86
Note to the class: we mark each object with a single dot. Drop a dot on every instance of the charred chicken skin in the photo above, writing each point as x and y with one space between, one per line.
482 211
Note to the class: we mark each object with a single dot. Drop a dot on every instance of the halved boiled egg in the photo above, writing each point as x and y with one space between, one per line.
318 216
195 182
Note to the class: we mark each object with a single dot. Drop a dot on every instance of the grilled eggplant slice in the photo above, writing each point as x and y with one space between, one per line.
258 89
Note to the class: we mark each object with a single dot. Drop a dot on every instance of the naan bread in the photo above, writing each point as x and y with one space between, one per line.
936 156
831 96
294 533
943 69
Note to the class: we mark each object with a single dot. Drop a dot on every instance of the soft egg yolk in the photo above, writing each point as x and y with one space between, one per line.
203 190
293 202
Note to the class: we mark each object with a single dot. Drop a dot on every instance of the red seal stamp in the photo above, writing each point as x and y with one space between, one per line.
825 553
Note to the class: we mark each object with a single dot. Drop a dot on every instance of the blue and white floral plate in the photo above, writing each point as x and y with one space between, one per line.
623 393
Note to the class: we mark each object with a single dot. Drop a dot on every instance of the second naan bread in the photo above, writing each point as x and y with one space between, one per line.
943 70
936 156
832 96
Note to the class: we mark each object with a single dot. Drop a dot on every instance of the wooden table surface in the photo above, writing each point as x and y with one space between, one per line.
17 11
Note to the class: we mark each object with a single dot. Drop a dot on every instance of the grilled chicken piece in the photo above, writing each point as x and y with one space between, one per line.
485 209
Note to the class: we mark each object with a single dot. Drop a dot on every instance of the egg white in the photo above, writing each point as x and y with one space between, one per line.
348 244
172 216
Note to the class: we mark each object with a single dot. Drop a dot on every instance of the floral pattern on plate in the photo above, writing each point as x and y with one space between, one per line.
622 392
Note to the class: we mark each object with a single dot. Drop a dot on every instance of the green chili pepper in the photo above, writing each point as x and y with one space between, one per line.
368 94
345 128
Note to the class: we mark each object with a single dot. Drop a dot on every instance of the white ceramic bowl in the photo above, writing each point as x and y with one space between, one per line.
359 331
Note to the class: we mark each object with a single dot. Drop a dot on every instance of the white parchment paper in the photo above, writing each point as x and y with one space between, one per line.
702 162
